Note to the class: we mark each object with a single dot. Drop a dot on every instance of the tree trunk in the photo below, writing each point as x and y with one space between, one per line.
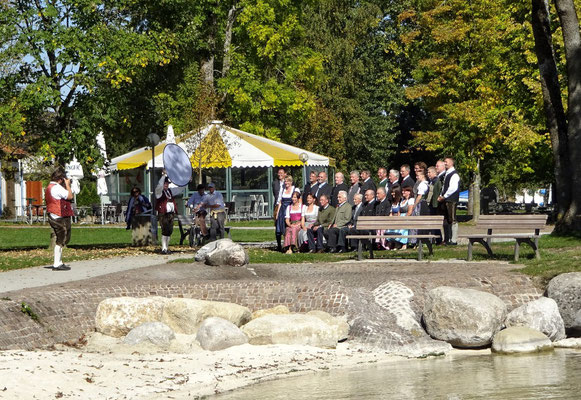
232 13
553 105
475 193
572 43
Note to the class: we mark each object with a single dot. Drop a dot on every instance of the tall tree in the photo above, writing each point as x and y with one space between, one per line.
473 79
566 146
63 49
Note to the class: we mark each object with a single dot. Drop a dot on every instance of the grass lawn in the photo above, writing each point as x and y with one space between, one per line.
24 246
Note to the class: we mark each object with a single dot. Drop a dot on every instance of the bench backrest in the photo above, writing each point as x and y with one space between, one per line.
414 222
185 219
512 222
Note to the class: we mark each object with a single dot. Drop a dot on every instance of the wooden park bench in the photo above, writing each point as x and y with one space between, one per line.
422 225
523 228
187 229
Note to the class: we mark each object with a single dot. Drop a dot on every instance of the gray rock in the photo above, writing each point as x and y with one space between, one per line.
541 314
218 334
227 253
520 339
186 315
118 315
339 324
463 317
565 289
156 333
577 321
569 343
205 250
298 329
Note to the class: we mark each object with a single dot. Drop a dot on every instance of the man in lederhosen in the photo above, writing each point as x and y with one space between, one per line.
58 196
166 209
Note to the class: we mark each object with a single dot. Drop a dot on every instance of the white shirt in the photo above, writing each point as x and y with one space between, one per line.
423 188
58 193
454 182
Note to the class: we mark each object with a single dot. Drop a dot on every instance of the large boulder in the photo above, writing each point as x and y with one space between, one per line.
280 309
300 329
520 339
541 314
339 324
186 315
565 289
223 252
218 334
156 333
117 316
463 317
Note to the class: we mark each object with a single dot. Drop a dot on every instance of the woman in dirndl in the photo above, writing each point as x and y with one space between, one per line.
285 201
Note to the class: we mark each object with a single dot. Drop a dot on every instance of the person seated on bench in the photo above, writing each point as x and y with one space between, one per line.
340 220
405 208
215 202
318 230
349 229
195 203
293 223
309 215
382 208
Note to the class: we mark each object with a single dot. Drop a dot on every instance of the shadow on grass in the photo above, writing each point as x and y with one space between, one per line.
101 246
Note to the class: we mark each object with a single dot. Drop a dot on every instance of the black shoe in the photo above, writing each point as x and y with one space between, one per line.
320 251
333 250
311 251
341 250
62 267
451 244
164 252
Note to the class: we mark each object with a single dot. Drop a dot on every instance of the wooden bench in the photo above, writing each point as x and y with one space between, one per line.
532 224
187 226
426 224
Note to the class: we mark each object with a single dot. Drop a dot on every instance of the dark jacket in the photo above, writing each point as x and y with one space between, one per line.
325 189
369 184
383 207
335 192
369 209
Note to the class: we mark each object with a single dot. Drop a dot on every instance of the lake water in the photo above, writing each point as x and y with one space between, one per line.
555 375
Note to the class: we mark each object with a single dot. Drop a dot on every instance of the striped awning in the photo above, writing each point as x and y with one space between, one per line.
221 146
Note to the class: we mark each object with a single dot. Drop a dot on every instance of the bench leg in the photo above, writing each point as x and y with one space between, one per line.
430 247
371 244
470 250
537 252
534 245
360 250
516 249
420 250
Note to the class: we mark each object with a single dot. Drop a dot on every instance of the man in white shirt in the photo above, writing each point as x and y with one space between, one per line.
58 205
449 197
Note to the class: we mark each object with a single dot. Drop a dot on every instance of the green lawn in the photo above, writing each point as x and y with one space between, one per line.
24 246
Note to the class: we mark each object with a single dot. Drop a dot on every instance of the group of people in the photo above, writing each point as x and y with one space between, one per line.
319 218
201 203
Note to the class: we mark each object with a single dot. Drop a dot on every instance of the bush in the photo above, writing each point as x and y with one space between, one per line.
88 194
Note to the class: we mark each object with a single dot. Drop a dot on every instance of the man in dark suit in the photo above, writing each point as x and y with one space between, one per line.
340 185
382 176
406 179
355 187
278 184
310 185
323 188
366 181
383 206
350 228
393 179
368 210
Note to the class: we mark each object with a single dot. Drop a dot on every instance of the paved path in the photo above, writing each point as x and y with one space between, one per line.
42 276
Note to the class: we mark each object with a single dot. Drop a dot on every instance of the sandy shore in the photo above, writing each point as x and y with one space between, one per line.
111 371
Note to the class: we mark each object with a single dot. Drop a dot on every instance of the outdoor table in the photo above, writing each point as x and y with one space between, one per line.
38 210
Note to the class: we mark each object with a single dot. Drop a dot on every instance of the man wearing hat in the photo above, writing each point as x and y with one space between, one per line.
214 202
166 209
195 204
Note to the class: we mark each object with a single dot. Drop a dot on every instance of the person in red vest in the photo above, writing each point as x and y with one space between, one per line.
166 209
58 196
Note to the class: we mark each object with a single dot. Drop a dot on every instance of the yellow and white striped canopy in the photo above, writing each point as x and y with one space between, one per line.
220 146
